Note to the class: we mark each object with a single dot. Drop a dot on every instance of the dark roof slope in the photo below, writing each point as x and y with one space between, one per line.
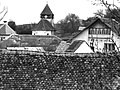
74 46
46 10
5 29
44 25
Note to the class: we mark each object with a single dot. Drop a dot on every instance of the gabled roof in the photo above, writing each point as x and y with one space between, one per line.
100 21
74 46
44 25
47 11
107 22
5 29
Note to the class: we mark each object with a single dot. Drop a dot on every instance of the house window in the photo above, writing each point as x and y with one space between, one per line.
2 38
106 31
99 31
103 31
91 31
109 47
109 31
96 32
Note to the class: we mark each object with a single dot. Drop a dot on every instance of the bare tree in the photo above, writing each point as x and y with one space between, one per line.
3 12
99 13
109 6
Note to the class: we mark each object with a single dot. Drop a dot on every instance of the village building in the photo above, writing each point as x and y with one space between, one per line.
42 43
102 35
45 25
42 38
99 36
5 31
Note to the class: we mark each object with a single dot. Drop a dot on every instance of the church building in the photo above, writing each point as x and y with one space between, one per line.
45 25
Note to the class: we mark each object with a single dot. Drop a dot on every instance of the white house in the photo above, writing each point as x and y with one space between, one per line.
79 46
102 35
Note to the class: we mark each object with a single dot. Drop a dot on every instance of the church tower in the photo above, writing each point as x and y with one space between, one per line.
45 25
47 14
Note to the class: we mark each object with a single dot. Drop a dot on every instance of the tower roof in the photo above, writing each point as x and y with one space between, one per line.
47 11
44 25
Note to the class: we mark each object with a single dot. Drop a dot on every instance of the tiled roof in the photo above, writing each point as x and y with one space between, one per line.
74 46
5 29
36 41
46 10
44 25
101 20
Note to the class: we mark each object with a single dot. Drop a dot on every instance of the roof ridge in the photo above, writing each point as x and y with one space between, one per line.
2 26
44 25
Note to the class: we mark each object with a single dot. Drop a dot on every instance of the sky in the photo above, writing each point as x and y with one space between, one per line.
28 11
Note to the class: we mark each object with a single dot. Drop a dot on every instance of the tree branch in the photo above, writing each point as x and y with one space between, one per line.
3 15
2 10
108 7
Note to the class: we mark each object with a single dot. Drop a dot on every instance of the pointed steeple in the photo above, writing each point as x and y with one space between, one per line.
47 13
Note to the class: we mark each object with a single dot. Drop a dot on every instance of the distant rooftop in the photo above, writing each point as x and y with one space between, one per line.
44 25
48 42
